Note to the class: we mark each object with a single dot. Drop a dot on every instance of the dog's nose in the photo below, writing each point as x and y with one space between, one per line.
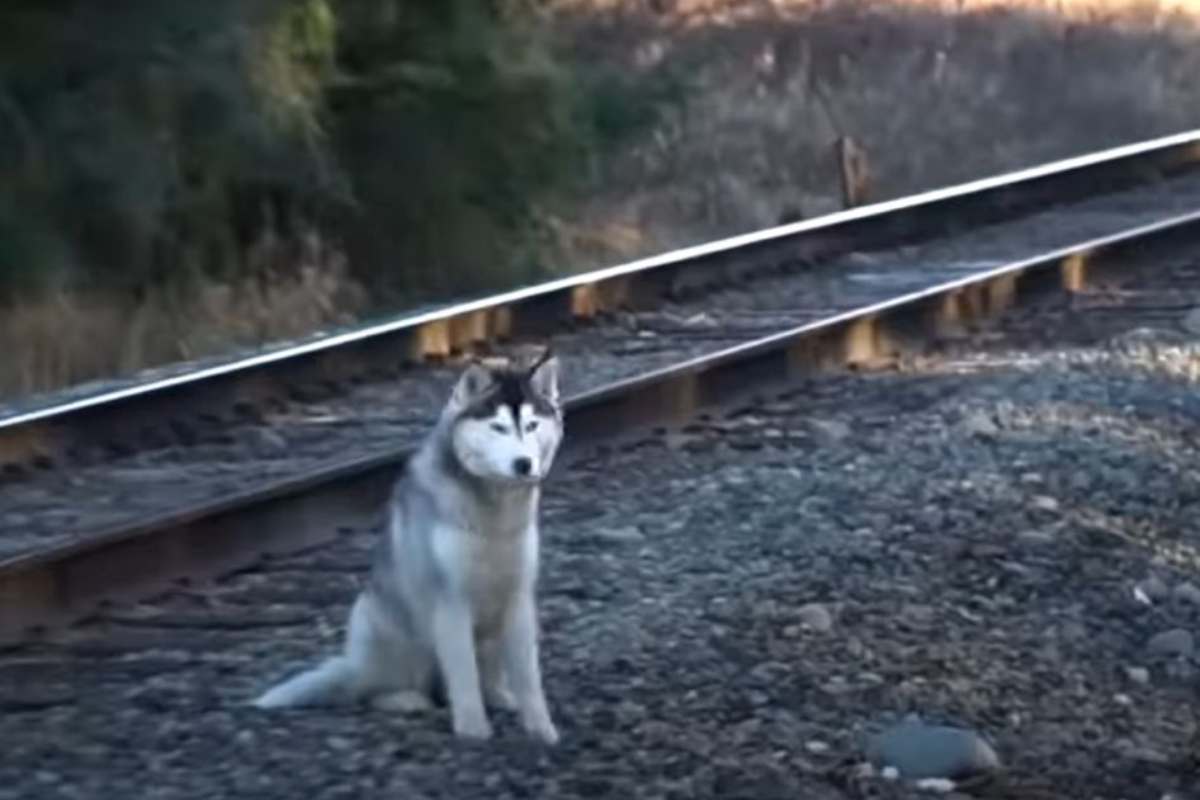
523 465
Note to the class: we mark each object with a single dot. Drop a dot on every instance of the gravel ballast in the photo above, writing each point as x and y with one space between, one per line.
735 608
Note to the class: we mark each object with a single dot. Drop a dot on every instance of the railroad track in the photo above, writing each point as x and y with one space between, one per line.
191 474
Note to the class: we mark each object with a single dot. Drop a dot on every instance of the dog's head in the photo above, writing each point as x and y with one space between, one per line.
506 420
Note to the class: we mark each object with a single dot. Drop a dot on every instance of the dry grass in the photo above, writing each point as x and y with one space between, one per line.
66 339
935 92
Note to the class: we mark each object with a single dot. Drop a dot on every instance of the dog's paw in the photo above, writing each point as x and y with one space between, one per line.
473 728
543 729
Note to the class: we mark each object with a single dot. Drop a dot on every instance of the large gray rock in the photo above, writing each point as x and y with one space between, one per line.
1176 642
1188 593
816 617
918 750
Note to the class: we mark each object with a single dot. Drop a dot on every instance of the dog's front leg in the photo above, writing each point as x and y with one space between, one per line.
455 650
520 654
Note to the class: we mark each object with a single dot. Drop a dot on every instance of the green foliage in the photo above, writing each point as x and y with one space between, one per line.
132 124
450 121
615 105
152 141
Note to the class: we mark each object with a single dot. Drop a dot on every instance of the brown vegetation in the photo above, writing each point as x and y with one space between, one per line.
63 338
934 93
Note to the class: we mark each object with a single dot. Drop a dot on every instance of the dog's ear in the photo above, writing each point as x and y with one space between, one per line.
544 377
475 380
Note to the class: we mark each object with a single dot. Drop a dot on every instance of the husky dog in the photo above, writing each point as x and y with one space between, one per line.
448 608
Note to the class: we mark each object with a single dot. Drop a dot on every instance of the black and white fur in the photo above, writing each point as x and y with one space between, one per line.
450 600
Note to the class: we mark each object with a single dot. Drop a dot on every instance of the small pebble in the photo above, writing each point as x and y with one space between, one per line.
1175 642
830 429
1154 589
701 320
980 425
1035 538
815 617
940 785
1139 675
1045 503
624 534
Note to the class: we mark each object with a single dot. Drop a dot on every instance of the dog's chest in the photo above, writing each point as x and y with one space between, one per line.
495 573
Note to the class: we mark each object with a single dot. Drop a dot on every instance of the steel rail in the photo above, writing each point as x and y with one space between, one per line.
61 585
51 426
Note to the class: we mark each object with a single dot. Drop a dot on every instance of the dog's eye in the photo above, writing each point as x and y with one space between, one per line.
498 428
531 426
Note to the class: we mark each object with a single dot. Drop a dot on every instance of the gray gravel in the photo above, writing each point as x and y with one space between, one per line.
46 508
975 532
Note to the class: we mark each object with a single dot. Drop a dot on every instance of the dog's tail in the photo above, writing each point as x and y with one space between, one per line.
331 682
